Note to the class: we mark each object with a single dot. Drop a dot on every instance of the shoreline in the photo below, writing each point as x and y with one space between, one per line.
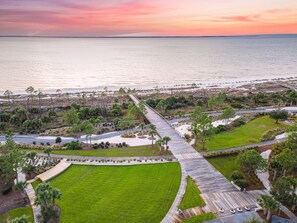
152 87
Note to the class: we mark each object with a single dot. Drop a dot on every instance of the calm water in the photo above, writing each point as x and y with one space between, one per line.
52 63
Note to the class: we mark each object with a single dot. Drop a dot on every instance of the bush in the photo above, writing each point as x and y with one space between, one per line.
242 183
236 175
96 146
58 140
73 145
236 105
34 143
238 122
220 128
271 134
6 189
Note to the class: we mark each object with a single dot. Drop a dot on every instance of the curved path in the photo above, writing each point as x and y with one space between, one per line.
216 190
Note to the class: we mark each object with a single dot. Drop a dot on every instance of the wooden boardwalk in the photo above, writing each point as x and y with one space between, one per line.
217 191
31 195
55 171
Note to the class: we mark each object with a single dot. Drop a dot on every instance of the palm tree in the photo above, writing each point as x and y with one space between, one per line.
152 133
166 139
30 91
142 126
159 143
268 203
48 151
152 127
46 196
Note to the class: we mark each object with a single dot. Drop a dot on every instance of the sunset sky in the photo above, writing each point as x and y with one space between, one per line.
147 17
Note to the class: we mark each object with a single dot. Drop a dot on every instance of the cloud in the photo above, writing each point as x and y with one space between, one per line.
239 18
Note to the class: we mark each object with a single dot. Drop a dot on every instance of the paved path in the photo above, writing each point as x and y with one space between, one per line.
216 190
31 195
55 171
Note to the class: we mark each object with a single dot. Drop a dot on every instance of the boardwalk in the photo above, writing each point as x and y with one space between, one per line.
31 195
55 171
216 190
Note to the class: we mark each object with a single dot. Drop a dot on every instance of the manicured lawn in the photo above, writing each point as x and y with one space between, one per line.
117 152
200 218
191 198
141 193
36 183
225 164
249 133
18 212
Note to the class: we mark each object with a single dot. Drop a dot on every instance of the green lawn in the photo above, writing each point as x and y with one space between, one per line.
117 152
200 218
141 193
18 212
191 198
249 133
225 164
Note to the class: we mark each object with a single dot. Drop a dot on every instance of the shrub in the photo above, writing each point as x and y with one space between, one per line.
238 122
34 143
220 128
241 183
96 146
73 145
236 175
6 189
236 105
58 140
271 134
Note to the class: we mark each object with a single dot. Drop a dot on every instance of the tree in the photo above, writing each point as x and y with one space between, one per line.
216 100
48 151
287 159
201 125
276 167
283 190
159 143
46 197
252 160
7 95
127 123
30 90
22 219
162 105
152 127
227 114
12 160
166 139
268 203
152 134
29 166
89 131
291 141
71 117
58 140
278 114
142 126
276 98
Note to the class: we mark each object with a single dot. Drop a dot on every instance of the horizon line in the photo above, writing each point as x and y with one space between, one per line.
169 36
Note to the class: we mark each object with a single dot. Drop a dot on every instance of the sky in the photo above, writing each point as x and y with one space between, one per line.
147 17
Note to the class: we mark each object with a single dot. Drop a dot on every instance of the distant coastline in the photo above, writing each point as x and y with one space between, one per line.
206 36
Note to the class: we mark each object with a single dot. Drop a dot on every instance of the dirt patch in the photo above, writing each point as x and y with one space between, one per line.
13 199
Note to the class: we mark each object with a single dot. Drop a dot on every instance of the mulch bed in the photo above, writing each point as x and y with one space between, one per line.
13 199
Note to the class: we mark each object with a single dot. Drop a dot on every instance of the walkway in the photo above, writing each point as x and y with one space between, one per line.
55 171
217 191
31 195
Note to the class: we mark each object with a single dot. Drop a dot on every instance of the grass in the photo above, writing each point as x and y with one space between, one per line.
17 212
200 218
225 164
36 183
249 133
141 193
116 152
191 198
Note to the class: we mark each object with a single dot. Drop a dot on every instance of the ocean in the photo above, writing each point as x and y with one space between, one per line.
86 63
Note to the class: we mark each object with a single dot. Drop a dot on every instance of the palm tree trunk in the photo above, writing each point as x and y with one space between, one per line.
268 215
274 175
265 211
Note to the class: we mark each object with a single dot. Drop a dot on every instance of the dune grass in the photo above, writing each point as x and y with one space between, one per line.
200 218
141 193
191 197
249 133
18 212
115 152
225 164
